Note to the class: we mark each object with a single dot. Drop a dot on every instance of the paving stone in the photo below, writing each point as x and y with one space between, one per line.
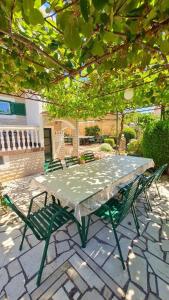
62 247
155 249
14 268
69 286
140 244
138 271
107 293
46 284
25 297
113 267
3 278
152 297
52 289
31 260
11 250
16 287
61 236
90 295
153 230
87 274
51 254
76 296
152 283
93 229
167 258
125 245
165 245
32 240
60 295
127 232
133 293
137 250
107 236
159 267
103 275
72 229
163 289
79 282
99 252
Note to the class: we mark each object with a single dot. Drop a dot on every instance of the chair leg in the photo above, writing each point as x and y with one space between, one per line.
135 220
23 236
119 248
42 262
157 190
148 201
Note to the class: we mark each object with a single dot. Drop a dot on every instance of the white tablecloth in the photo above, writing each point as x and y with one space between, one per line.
86 187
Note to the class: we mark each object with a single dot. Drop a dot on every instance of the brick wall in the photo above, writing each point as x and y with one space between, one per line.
21 164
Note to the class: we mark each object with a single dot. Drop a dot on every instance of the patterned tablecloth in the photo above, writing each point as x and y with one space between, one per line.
86 187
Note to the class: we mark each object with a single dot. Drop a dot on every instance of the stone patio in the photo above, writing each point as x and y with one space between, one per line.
94 272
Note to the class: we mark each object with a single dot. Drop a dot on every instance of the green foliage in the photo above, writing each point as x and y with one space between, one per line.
156 142
2 202
93 130
129 133
105 147
134 147
81 55
145 119
110 141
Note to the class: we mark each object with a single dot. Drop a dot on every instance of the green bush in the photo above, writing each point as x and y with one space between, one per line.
156 142
129 133
109 141
93 130
106 147
135 147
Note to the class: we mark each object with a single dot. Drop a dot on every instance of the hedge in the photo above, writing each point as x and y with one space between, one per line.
156 142
129 133
110 141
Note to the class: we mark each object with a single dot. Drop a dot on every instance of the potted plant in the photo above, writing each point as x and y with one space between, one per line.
82 160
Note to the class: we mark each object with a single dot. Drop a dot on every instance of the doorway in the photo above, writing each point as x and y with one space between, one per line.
48 144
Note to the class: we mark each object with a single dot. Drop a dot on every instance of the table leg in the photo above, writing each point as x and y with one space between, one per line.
83 230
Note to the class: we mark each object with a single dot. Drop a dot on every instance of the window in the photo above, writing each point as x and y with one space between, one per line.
12 108
5 108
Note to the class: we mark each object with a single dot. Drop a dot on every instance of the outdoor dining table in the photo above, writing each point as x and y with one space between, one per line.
85 187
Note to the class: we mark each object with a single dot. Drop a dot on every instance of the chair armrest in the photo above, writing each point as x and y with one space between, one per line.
36 196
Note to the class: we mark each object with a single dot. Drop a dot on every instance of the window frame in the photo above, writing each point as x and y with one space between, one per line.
3 113
13 106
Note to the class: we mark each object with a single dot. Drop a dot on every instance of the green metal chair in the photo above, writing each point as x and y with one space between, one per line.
156 177
146 182
53 165
71 161
115 211
43 222
88 156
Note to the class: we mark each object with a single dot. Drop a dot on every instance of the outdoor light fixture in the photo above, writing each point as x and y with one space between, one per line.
128 94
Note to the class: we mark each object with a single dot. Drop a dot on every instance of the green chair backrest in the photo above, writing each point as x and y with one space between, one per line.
159 172
88 156
53 165
71 161
128 199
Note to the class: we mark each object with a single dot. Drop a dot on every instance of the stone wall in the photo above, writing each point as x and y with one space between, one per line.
21 164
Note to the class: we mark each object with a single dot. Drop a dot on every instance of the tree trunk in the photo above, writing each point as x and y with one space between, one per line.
121 129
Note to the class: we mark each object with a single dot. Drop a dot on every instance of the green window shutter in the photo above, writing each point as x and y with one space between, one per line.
18 109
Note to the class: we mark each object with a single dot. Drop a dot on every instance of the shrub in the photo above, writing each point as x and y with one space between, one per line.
156 142
135 147
106 147
109 141
93 130
129 133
